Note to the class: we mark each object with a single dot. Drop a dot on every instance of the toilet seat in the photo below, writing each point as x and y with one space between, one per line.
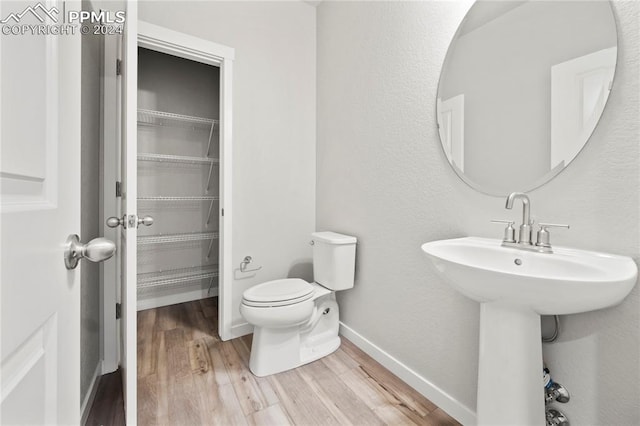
278 293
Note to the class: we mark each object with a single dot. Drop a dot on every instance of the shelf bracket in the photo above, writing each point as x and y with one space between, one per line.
210 247
210 286
210 210
213 125
209 178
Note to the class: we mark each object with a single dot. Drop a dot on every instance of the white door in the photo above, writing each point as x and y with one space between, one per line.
128 246
40 204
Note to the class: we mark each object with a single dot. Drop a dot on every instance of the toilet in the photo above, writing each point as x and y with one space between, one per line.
296 322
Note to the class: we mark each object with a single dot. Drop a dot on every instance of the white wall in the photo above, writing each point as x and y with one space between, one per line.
382 176
274 110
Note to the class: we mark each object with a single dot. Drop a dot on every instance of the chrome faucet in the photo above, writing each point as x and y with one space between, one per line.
524 242
524 237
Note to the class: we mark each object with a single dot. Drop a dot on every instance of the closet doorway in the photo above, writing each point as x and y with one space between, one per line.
170 165
178 179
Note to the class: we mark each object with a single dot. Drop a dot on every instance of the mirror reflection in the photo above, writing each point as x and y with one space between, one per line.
522 89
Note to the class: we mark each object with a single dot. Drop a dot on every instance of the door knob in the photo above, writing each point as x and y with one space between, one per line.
146 221
96 250
114 222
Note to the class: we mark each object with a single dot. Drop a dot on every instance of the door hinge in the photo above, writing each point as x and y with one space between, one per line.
222 212
118 310
118 189
118 67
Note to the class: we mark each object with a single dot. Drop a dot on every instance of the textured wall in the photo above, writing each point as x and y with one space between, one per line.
382 176
90 203
274 113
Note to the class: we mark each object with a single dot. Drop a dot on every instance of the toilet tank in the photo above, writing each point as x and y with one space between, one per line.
334 260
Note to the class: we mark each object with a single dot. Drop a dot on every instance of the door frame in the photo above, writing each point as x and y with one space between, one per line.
110 283
182 45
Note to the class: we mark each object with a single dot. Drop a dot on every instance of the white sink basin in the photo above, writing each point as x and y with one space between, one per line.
567 281
514 287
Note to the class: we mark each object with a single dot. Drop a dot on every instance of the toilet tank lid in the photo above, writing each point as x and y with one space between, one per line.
333 238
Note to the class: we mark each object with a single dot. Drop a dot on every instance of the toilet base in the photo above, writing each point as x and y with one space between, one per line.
311 354
274 350
277 350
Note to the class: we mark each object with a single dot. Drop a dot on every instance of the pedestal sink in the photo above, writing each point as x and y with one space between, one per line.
514 287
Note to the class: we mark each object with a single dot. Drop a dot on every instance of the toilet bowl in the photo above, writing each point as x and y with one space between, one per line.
296 322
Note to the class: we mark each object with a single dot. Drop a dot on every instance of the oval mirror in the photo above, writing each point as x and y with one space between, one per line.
522 88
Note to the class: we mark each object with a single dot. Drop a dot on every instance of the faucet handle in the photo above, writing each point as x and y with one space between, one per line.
509 231
543 233
553 225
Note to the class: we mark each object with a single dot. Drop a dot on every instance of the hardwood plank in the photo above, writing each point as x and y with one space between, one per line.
229 411
199 326
244 352
299 400
146 321
148 405
108 405
188 321
162 377
440 418
177 353
185 407
209 307
165 318
178 313
217 365
204 380
390 415
273 415
409 398
244 383
247 339
383 405
199 357
181 390
348 408
339 362
146 356
147 352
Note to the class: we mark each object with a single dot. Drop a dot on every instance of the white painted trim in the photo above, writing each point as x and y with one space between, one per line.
240 330
225 276
87 403
109 276
172 299
433 393
129 265
182 45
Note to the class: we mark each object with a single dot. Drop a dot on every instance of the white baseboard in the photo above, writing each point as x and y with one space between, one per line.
91 395
446 402
172 299
240 330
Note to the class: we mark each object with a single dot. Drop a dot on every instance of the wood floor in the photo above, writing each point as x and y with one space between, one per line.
188 376
108 406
